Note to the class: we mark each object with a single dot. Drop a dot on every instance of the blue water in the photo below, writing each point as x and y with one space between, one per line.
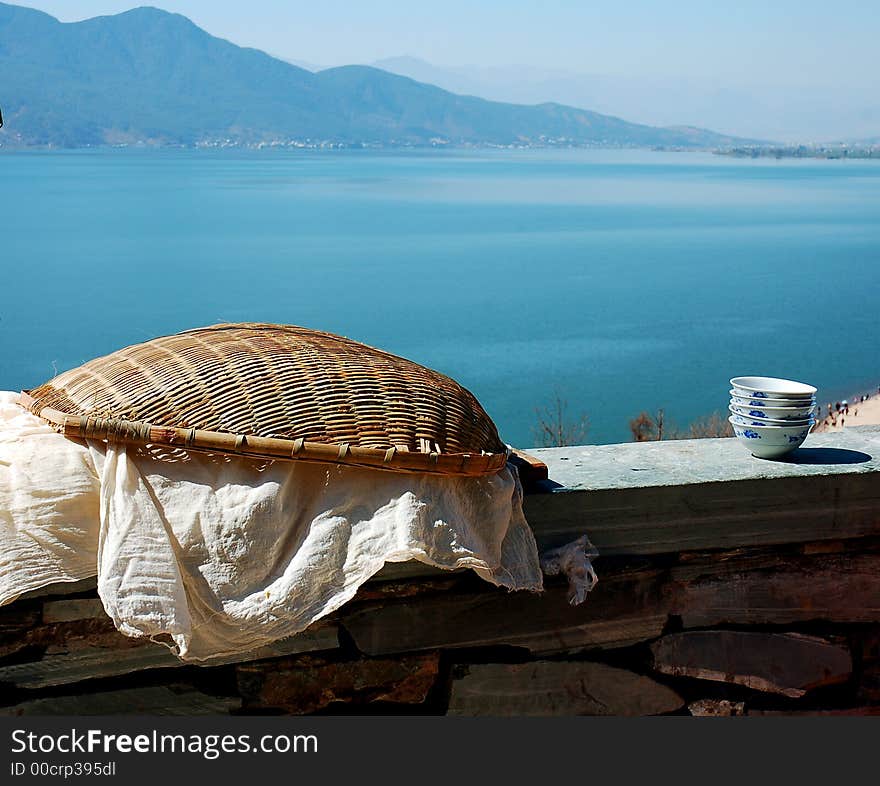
624 280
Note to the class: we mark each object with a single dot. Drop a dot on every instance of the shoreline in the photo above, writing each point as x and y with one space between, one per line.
861 409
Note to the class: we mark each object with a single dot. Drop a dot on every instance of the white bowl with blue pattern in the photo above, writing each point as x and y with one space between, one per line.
771 387
772 414
750 401
744 420
770 441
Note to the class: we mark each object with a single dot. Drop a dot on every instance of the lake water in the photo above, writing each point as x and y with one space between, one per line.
624 280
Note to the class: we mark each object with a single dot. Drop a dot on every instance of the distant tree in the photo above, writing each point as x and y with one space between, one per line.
646 427
554 429
710 426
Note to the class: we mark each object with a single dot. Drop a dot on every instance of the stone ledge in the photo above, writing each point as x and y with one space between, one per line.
667 497
854 451
645 498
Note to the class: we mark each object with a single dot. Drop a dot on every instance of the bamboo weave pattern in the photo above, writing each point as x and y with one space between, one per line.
277 382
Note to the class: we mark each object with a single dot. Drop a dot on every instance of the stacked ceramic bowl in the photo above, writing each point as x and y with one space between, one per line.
770 416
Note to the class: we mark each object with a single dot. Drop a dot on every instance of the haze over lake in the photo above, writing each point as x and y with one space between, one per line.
626 280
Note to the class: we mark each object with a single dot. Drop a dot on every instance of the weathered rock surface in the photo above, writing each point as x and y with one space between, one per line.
154 700
306 684
787 663
558 688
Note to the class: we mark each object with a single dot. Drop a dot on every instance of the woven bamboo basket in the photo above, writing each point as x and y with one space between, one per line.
278 392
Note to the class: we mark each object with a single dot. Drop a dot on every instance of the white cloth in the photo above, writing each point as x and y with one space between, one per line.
574 561
49 504
228 554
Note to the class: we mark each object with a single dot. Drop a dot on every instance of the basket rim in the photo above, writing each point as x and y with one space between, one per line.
116 430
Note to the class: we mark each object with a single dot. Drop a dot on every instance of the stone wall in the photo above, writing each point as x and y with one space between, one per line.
728 586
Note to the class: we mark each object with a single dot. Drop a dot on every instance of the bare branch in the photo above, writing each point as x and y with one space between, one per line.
553 429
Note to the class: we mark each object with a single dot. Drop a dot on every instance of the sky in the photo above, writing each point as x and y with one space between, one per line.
785 42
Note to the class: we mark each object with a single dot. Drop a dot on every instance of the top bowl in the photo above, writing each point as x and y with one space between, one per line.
771 387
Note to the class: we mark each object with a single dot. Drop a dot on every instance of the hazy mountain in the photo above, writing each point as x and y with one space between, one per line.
785 112
302 64
150 76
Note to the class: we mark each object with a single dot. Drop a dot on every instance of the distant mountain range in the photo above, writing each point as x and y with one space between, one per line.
792 113
148 76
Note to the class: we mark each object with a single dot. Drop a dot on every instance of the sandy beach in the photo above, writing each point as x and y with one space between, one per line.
856 413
